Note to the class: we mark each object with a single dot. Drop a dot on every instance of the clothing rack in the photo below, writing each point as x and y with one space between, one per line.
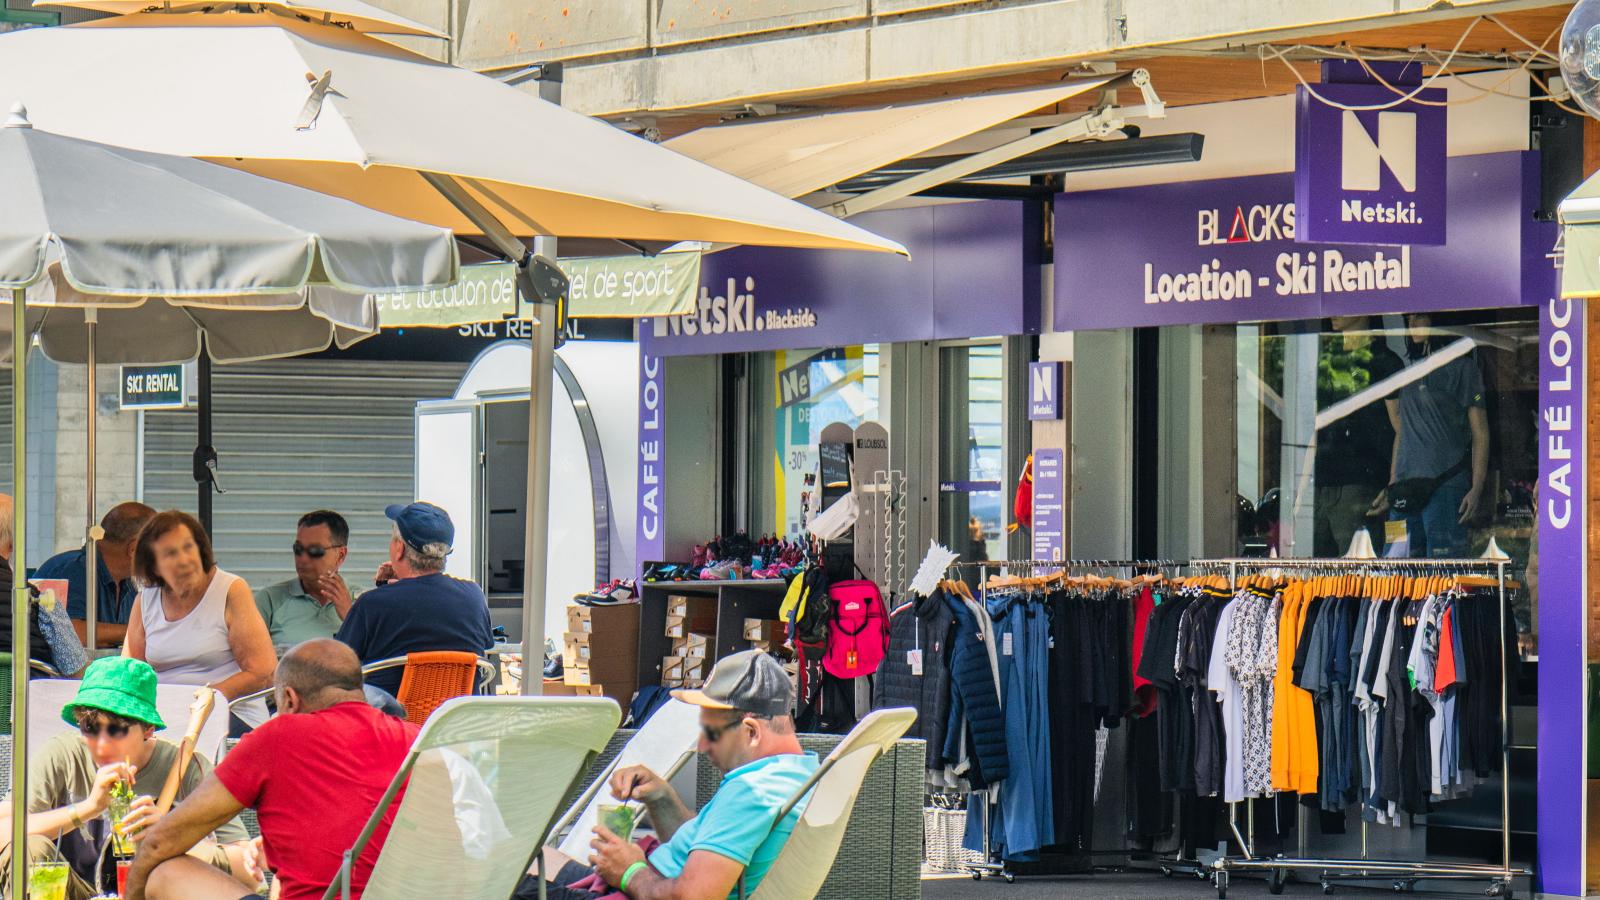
1405 874
1072 564
989 864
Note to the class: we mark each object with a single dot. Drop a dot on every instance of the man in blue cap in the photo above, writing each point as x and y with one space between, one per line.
422 609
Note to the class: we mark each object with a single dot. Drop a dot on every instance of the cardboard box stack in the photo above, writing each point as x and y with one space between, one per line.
692 625
602 651
768 635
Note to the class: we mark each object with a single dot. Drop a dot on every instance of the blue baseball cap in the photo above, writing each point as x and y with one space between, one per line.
422 524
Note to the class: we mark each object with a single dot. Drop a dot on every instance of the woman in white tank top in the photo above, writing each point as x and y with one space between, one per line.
194 623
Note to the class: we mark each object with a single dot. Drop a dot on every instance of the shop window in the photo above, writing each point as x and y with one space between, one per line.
814 388
971 452
1341 421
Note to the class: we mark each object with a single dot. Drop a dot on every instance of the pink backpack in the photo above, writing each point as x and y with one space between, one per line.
858 631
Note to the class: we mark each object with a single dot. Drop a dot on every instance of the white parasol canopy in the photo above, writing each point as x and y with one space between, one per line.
351 115
128 223
109 230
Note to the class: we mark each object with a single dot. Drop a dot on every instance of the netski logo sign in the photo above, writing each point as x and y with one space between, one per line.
731 312
1369 176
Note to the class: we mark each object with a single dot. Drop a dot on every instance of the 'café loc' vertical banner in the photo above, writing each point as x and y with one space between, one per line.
652 440
1561 516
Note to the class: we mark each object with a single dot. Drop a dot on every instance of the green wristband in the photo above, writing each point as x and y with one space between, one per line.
629 874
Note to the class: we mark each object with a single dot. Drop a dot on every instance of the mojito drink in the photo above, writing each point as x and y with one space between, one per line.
619 819
121 799
47 880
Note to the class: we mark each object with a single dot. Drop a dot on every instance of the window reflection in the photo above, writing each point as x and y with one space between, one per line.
1416 431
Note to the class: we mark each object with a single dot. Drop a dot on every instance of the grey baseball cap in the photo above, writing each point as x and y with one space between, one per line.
750 681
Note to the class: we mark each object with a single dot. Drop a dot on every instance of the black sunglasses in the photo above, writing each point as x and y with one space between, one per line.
714 733
314 552
111 730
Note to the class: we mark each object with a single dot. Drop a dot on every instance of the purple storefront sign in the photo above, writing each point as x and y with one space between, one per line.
649 544
1369 176
1225 251
1562 672
965 278
1049 487
1044 390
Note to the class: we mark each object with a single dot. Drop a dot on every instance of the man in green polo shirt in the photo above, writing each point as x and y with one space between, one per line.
315 601
70 779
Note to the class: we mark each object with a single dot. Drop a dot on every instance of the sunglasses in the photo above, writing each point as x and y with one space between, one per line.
109 729
314 552
714 733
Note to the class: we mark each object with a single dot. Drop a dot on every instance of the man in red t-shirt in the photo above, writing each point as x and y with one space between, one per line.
313 774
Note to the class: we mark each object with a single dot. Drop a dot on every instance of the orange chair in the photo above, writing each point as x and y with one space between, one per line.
434 677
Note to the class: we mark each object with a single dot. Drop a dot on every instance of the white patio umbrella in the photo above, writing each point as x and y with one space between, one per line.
130 231
341 112
336 110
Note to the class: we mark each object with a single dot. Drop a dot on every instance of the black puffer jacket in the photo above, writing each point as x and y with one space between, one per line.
925 622
38 646
975 698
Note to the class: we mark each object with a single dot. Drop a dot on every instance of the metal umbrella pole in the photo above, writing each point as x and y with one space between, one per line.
541 284
91 579
205 456
19 596
541 383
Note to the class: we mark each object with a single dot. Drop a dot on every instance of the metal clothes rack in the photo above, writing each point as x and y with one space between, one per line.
990 864
1405 874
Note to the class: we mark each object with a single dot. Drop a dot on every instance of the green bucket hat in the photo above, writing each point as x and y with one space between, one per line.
119 685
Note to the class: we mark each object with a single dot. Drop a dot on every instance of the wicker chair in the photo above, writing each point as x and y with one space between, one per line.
39 669
434 677
429 680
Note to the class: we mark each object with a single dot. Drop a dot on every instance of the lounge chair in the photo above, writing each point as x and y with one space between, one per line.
665 743
807 856
487 778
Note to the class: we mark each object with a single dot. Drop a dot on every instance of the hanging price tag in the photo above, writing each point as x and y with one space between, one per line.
1005 644
914 660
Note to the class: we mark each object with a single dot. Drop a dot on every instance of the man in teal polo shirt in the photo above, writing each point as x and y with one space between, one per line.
315 601
748 734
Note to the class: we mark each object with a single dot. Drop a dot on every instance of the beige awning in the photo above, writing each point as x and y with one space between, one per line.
1580 234
356 15
795 156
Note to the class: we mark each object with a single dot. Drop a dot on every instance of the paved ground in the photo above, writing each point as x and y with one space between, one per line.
1143 886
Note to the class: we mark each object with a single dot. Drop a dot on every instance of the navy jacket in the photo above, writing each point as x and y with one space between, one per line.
975 696
416 615
923 623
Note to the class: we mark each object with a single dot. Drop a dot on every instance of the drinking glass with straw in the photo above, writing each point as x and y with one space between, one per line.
121 800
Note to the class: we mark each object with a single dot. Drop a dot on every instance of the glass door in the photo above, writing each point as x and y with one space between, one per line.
971 452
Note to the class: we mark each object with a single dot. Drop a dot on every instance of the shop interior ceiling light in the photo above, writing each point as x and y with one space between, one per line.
1580 55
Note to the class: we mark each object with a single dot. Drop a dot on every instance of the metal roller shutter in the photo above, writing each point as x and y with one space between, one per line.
293 436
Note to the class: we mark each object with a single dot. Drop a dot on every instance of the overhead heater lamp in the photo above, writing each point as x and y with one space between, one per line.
1079 156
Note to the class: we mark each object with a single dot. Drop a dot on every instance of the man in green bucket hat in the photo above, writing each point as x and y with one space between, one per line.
70 780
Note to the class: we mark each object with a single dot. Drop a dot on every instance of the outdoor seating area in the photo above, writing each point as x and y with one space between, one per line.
797 451
869 835
485 782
